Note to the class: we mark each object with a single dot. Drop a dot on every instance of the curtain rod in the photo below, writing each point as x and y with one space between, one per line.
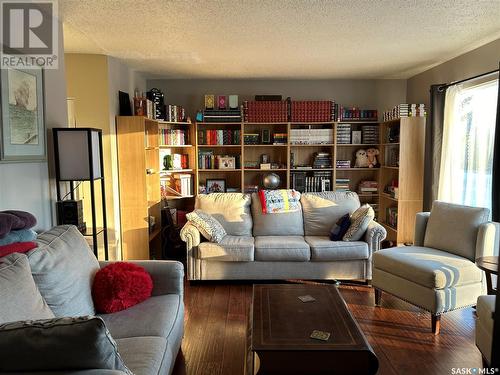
444 87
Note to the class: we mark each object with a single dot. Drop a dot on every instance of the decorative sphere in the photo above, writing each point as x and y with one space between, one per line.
271 181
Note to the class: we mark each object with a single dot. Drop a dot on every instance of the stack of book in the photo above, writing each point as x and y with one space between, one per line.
370 134
222 115
175 113
344 134
219 137
392 216
311 110
342 184
311 136
176 137
208 160
279 138
183 184
356 114
342 164
368 187
265 111
322 160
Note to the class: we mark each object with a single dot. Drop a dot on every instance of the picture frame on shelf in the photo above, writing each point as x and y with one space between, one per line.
22 133
227 162
217 185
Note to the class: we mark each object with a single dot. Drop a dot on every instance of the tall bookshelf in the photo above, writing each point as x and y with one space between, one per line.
139 175
402 155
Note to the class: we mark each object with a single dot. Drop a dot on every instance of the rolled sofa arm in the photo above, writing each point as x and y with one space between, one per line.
374 235
420 227
487 239
191 236
167 275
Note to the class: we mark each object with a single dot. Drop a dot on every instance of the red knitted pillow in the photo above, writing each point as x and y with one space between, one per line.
119 286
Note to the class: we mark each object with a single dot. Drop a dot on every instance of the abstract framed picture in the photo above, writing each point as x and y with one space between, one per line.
216 185
22 133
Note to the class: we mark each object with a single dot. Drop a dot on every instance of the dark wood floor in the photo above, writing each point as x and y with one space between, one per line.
216 318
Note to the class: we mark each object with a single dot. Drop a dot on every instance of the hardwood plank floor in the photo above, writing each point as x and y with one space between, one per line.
216 323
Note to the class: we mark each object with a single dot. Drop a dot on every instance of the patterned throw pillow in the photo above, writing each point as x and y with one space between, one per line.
208 226
340 228
360 219
57 344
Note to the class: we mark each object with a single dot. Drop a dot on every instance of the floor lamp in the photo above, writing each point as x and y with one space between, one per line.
78 157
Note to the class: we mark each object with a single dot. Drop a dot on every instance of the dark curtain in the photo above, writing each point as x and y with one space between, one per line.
433 143
495 355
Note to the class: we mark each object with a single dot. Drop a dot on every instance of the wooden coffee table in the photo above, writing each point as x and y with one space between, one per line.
280 325
490 267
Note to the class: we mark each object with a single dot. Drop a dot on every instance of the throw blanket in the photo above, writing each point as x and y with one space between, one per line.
23 235
276 201
18 247
12 220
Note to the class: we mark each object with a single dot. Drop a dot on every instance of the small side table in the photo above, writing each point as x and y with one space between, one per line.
490 266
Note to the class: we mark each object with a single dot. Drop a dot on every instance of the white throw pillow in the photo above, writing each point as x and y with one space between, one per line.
360 219
208 226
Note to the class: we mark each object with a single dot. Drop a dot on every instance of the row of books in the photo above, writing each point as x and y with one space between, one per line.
175 113
177 137
175 161
312 110
368 187
370 134
317 182
265 111
209 160
356 114
219 137
340 164
218 115
405 110
311 136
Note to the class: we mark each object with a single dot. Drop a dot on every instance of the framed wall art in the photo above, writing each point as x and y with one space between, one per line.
22 133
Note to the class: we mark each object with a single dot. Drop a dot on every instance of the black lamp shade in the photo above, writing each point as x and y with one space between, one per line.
77 153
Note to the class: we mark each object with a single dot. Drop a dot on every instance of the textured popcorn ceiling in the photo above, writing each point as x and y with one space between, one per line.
280 38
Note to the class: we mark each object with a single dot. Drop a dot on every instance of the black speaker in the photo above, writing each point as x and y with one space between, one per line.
70 212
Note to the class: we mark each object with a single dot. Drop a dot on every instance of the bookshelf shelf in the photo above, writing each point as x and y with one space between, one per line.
358 169
357 145
218 146
219 170
312 145
284 145
174 146
389 167
175 197
391 144
387 196
173 123
265 170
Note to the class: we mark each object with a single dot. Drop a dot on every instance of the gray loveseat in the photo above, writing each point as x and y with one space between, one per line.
291 245
148 335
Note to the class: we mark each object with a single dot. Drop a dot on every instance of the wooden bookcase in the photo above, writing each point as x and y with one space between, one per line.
139 170
402 165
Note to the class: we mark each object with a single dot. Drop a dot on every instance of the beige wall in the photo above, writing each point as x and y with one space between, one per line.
480 60
87 82
367 93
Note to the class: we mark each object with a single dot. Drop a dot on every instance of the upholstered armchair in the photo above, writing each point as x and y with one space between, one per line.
438 273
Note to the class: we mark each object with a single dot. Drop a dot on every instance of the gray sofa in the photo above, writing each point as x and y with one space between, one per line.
292 245
148 335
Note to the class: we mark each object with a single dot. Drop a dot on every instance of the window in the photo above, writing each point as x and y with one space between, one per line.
468 136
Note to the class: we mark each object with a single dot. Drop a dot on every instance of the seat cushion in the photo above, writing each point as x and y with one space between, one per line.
323 210
453 228
276 224
64 268
427 267
231 210
230 249
20 297
324 250
143 355
484 308
281 248
154 317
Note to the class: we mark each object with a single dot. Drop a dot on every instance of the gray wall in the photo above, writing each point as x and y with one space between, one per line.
29 186
480 60
366 93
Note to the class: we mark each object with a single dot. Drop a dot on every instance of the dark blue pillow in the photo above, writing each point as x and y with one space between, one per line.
340 228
